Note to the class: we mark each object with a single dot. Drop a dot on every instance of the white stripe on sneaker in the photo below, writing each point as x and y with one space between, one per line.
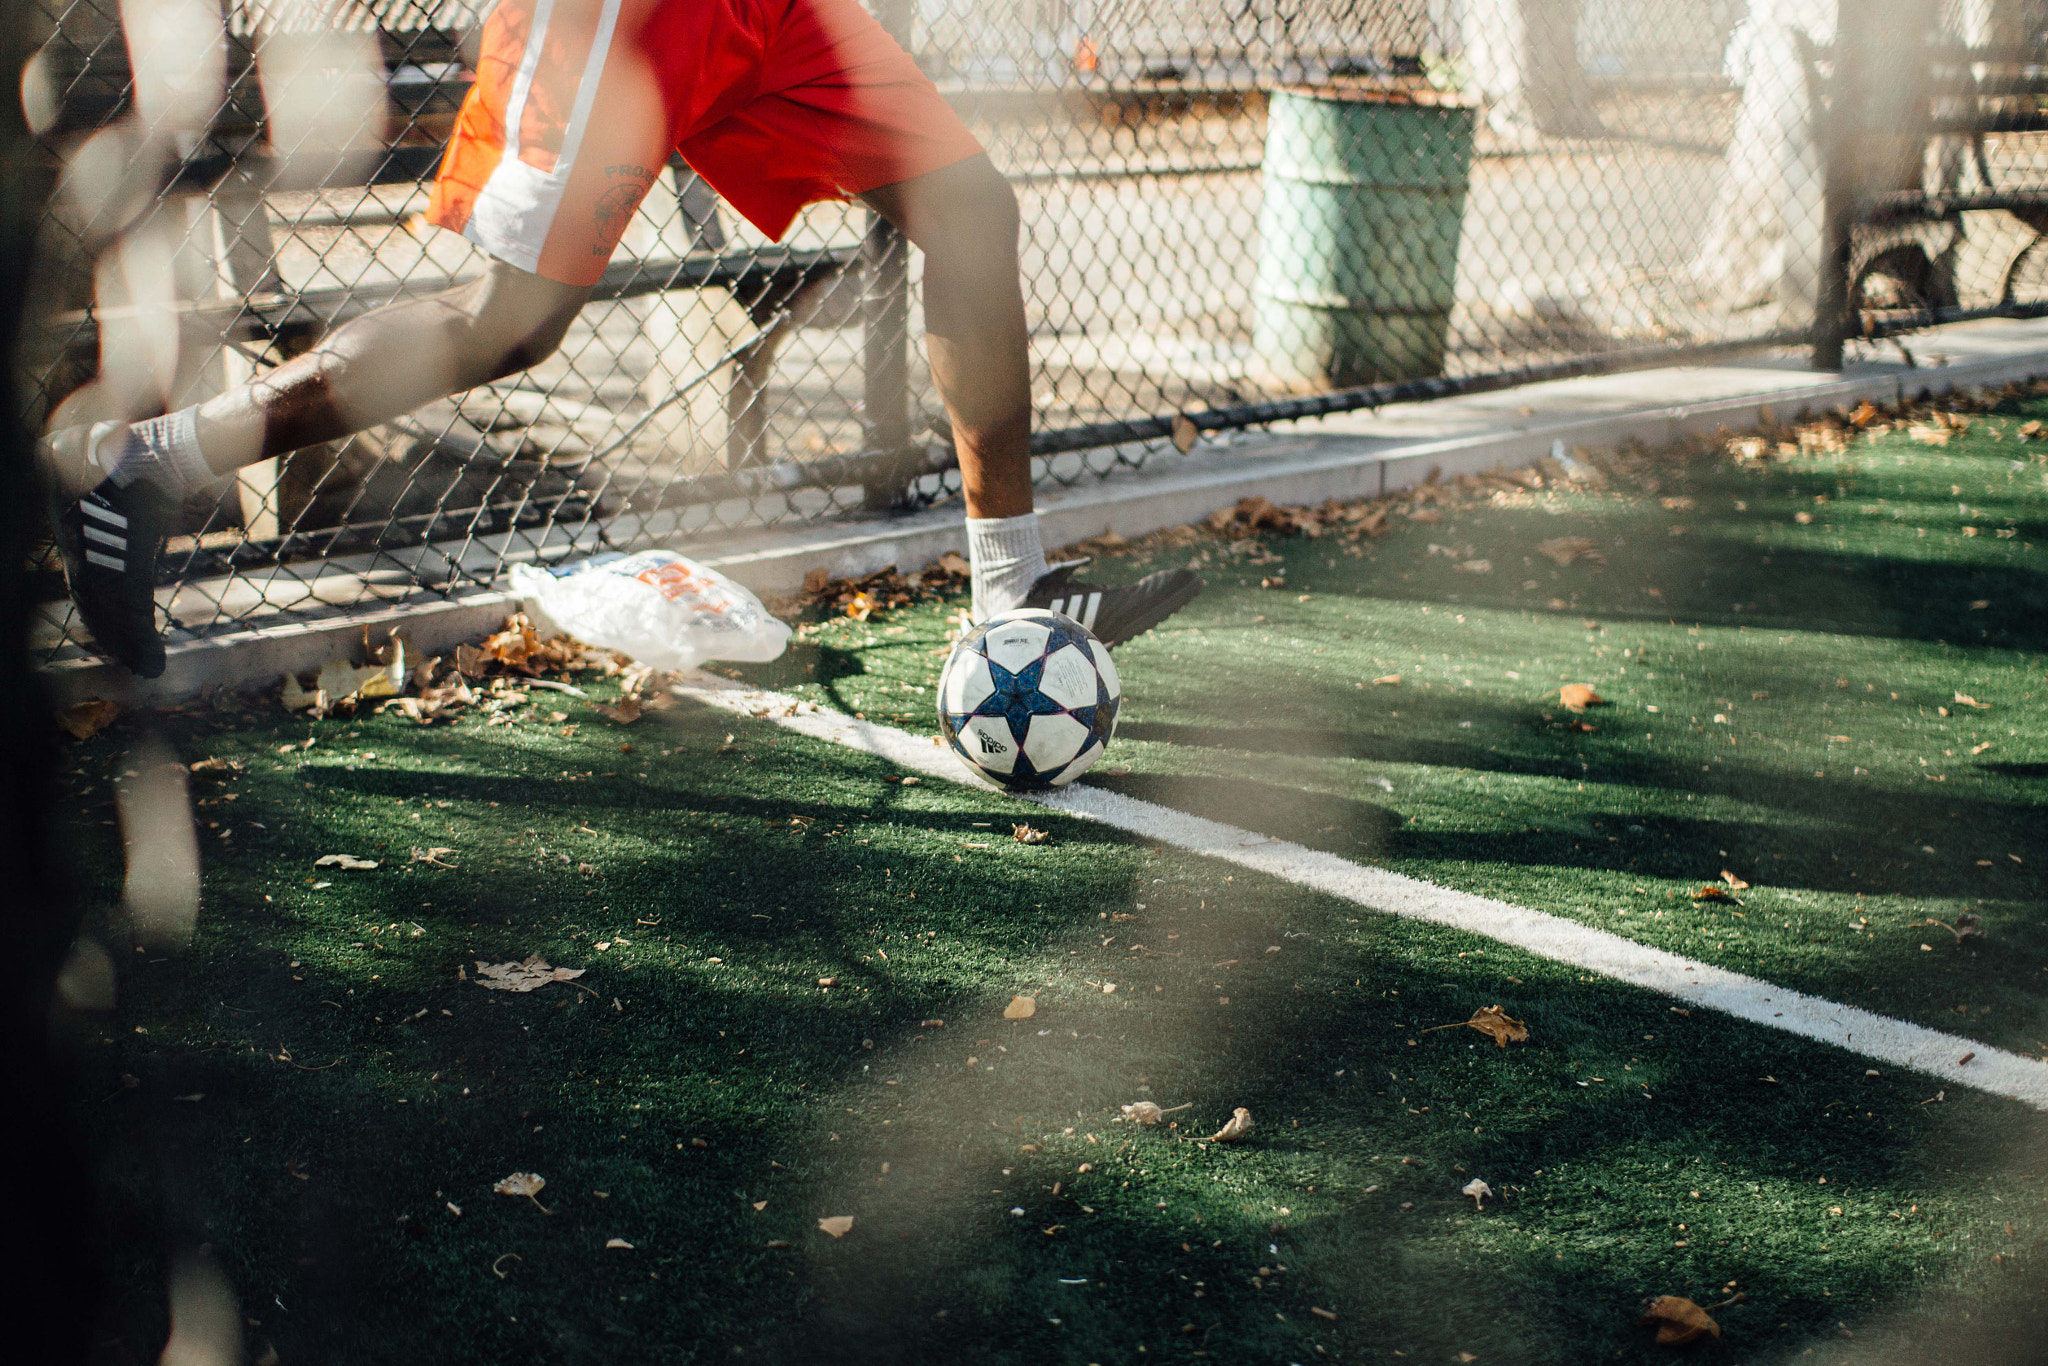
1094 605
106 561
93 533
105 514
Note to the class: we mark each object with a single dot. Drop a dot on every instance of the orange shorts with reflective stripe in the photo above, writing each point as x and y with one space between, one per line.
776 103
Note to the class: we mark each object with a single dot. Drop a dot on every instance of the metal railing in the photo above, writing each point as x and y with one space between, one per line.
1234 214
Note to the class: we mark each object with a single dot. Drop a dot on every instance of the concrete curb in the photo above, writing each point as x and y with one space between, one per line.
1289 468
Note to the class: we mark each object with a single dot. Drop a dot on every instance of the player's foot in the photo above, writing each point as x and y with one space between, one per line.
1117 612
109 540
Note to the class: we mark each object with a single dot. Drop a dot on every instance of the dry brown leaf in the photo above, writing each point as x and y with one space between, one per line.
1714 891
1578 697
1021 1008
83 720
1024 834
618 1242
1566 550
1185 433
1963 699
296 698
349 861
1734 883
1143 1112
2032 430
1929 436
861 607
1473 567
626 713
528 1184
1237 1126
1478 1190
837 1225
1678 1321
1494 1023
530 975
432 856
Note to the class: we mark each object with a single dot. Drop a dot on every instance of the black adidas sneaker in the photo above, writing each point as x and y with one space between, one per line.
1117 612
109 540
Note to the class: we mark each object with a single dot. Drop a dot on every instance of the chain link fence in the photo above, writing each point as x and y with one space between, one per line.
1235 212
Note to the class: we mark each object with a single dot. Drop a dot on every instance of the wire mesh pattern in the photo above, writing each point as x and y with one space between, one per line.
1234 213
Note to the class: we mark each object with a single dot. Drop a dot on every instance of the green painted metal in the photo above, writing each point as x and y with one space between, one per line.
1364 198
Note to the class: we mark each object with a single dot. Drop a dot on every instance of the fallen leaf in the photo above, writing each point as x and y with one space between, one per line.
618 1242
1185 433
838 1225
1478 1190
343 861
1143 1112
341 680
1021 1008
1926 436
83 720
530 975
1024 834
1963 699
296 698
1237 1126
1491 1021
1567 550
1578 697
1474 567
625 714
1735 884
1678 1321
1714 891
528 1184
1387 681
1322 1313
431 856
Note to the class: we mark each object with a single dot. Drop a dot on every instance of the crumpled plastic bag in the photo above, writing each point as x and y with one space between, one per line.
657 606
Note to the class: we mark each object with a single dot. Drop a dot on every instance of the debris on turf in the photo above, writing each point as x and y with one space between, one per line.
1148 1112
529 975
1734 883
1714 891
837 1225
884 590
618 1242
1578 697
1237 1126
1021 1008
1025 834
1478 1190
1569 550
528 1184
1491 1021
1678 1321
83 720
350 861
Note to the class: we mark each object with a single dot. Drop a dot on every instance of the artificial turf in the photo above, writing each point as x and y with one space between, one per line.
699 1095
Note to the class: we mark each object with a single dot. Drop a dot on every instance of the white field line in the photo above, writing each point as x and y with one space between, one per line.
1877 1037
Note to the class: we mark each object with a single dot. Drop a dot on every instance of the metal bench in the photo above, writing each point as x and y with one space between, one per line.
1893 215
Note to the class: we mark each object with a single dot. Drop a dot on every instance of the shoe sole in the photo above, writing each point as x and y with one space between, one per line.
1161 610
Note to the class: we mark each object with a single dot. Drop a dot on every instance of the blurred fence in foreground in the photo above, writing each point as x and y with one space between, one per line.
1235 212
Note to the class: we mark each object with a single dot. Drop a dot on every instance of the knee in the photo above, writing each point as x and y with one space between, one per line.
516 320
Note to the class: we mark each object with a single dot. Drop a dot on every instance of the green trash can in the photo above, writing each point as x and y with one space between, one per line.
1364 198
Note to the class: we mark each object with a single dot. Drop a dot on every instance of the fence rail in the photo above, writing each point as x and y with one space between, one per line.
1528 189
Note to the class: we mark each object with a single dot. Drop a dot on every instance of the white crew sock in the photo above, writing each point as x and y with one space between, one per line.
1007 559
163 450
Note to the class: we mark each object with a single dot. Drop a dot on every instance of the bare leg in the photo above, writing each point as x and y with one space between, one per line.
964 219
389 362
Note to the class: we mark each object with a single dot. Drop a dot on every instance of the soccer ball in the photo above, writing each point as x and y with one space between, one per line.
1029 699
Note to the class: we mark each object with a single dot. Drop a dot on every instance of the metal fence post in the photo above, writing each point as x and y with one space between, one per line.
885 323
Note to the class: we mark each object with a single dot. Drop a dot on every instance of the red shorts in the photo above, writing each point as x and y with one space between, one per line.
578 103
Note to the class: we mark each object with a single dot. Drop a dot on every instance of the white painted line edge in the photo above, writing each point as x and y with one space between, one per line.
1870 1035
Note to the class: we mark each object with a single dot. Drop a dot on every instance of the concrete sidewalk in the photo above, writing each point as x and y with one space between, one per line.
1348 456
